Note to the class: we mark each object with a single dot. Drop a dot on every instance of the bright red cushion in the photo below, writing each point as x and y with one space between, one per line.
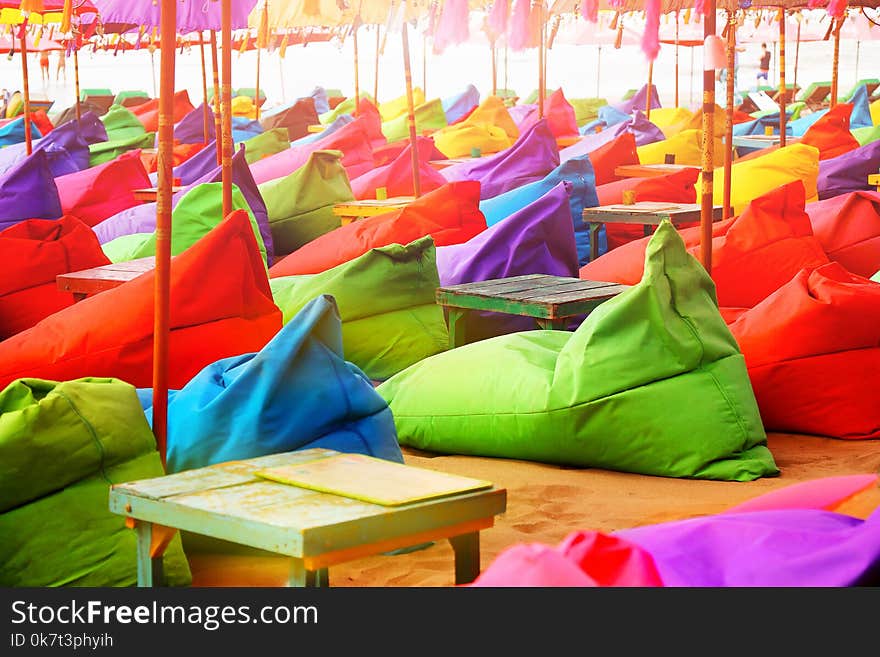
830 134
180 153
560 115
221 306
148 113
848 227
397 176
617 152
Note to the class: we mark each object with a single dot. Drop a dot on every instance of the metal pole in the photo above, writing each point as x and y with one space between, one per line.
707 187
226 91
218 128
676 59
162 291
411 112
782 88
728 124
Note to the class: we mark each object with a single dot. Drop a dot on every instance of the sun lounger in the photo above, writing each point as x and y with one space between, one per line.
789 94
872 84
816 95
131 98
101 98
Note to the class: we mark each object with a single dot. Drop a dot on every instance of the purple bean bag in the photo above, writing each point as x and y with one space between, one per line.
72 137
28 191
638 101
645 133
848 172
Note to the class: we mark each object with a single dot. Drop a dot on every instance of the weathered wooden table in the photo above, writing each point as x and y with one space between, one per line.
98 279
551 300
874 180
150 194
354 210
650 170
316 530
644 213
761 141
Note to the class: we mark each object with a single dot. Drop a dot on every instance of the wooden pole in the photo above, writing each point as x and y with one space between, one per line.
206 103
541 61
357 88
425 64
707 178
782 88
676 59
411 112
598 68
26 92
226 103
153 70
797 52
376 77
650 86
162 290
835 64
262 42
494 68
218 128
76 80
728 124
257 91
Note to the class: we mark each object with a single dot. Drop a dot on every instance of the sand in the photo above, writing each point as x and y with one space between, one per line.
546 502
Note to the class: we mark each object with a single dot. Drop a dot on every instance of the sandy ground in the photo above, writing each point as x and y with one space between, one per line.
546 502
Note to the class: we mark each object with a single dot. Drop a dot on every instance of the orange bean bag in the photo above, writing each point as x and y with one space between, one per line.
813 353
830 134
848 227
450 215
753 254
676 187
148 113
221 306
99 192
32 254
180 153
605 159
560 115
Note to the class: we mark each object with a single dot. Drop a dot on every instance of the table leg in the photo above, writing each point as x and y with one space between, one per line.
79 296
149 569
301 578
558 324
594 239
647 230
457 327
467 557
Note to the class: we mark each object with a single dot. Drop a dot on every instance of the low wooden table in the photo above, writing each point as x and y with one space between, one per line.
761 141
645 213
874 180
316 530
650 170
551 300
354 210
565 142
150 194
316 128
98 279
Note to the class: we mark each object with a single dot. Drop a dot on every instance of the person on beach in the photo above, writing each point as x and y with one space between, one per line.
44 65
764 65
61 68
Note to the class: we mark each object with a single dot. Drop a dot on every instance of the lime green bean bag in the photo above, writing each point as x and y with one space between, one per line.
386 302
345 107
266 144
586 109
62 445
429 117
105 151
300 205
652 382
121 123
866 135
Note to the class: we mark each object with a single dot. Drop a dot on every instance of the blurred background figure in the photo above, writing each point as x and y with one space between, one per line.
44 66
764 65
61 69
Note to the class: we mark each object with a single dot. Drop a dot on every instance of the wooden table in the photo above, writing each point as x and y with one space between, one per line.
353 210
565 142
645 213
442 164
316 128
551 300
97 279
316 530
150 194
761 141
650 170
874 180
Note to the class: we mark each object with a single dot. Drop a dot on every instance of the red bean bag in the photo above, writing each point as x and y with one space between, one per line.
32 254
296 119
450 215
848 227
397 176
830 134
221 306
676 187
372 120
180 153
99 192
387 153
753 254
605 159
813 353
42 121
560 115
148 113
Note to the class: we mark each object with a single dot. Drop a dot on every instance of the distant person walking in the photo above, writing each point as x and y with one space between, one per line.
44 65
764 65
61 69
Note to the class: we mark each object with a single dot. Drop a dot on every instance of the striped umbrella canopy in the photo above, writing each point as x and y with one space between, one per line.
192 15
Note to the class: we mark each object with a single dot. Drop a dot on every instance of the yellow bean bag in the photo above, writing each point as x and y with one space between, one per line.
696 122
15 105
494 112
393 108
459 140
345 107
686 146
244 106
429 117
671 120
875 112
753 178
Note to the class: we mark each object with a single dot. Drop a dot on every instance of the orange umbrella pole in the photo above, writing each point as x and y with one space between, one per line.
218 132
707 178
728 124
257 92
262 42
835 62
782 88
797 52
357 85
494 69
410 111
26 92
226 92
376 77
425 64
206 103
162 291
650 86
76 81
541 63
676 59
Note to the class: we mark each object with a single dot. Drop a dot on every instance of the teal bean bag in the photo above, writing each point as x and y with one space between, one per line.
652 382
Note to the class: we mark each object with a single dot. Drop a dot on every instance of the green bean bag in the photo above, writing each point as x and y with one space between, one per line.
62 445
265 144
198 211
109 150
586 109
300 205
345 107
866 135
386 302
120 124
429 117
652 382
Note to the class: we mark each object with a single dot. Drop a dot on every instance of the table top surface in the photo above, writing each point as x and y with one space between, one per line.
765 140
648 213
874 179
155 190
442 164
533 288
230 501
647 170
104 277
369 207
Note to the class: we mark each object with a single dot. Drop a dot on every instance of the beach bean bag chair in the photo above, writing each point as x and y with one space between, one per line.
111 333
320 99
397 176
827 494
429 117
120 123
494 112
848 228
391 109
67 146
265 144
651 382
753 254
639 100
619 151
387 153
450 215
42 121
460 105
180 153
676 187
586 109
848 172
386 300
866 135
62 446
198 166
28 191
297 392
32 254
671 120
106 151
198 211
560 115
243 107
861 111
345 119
488 128
608 117
532 157
296 118
99 192
191 128
686 147
300 206
643 130
813 352
346 106
372 122
148 113
830 134
14 132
